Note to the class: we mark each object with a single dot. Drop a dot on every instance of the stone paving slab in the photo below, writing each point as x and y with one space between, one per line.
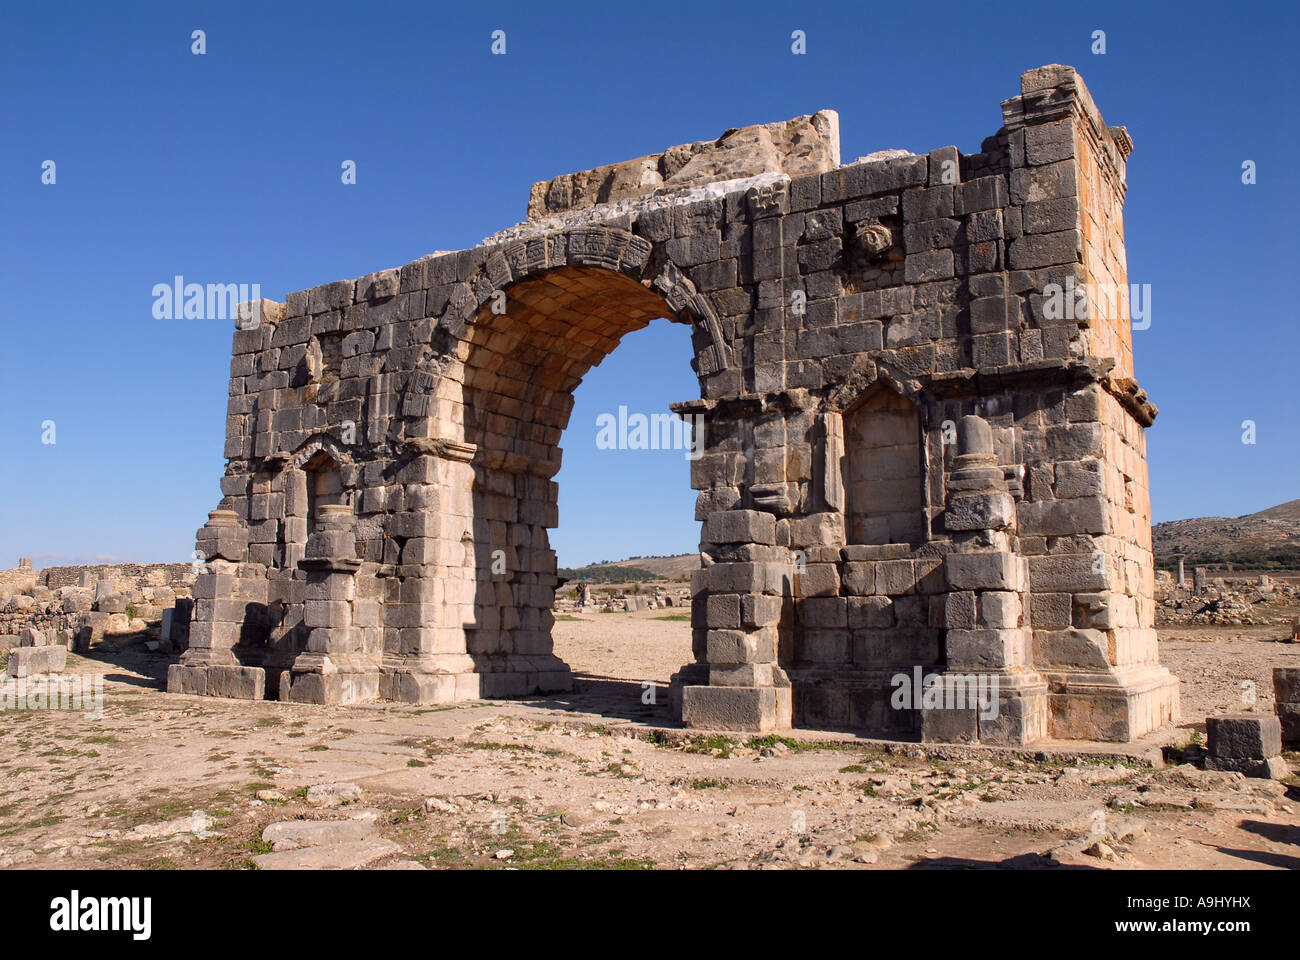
296 834
339 856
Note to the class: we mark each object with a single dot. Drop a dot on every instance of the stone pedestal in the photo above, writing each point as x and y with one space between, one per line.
742 598
209 666
988 645
334 668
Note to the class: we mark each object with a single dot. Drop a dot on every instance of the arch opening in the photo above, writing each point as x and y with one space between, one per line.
522 362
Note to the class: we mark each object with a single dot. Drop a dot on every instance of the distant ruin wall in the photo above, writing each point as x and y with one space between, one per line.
151 573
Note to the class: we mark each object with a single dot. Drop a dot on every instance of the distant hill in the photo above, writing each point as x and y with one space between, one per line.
677 567
1268 539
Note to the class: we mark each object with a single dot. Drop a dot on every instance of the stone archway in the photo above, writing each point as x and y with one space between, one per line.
518 359
1021 554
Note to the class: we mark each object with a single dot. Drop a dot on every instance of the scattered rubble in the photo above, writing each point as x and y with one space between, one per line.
1255 600
112 605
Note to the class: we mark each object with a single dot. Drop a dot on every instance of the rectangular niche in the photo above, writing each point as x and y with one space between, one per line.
884 472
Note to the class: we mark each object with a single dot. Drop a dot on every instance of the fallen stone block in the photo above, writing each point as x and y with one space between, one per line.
295 834
1286 684
1288 716
1273 768
1286 690
33 661
340 856
333 794
1243 737
1251 745
31 637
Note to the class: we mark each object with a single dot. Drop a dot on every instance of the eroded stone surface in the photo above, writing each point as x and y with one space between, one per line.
804 145
348 855
293 834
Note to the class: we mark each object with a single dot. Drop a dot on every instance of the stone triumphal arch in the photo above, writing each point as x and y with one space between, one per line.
911 464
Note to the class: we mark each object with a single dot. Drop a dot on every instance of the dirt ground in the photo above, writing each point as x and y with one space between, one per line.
584 781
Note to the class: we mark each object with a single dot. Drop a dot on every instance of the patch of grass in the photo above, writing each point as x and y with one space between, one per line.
416 763
674 616
801 746
1128 762
544 855
716 745
614 769
493 745
318 748
922 831
443 855
49 820
708 783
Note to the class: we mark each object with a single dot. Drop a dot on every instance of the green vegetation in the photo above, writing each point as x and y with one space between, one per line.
596 573
1247 558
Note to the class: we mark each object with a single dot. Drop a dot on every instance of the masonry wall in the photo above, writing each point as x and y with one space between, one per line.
435 395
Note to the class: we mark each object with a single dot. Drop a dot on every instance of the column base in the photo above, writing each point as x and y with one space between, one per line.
1020 717
331 679
747 709
519 676
217 680
690 675
1115 707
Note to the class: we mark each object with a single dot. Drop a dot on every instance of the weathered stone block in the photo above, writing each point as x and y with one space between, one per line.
740 526
980 511
860 578
1000 609
984 571
823 612
1255 737
33 661
757 709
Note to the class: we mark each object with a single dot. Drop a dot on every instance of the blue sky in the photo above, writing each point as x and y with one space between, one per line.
225 168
